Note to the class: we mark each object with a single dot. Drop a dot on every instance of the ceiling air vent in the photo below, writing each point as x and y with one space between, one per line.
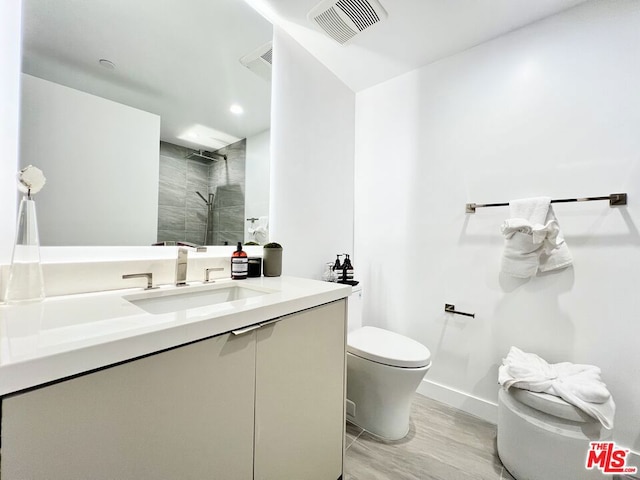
259 61
344 19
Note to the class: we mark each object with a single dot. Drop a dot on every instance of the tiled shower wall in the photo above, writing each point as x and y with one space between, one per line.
227 181
182 214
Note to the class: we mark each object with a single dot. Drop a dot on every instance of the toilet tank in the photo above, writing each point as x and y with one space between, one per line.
355 308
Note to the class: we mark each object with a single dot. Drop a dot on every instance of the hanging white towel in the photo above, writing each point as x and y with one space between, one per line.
579 385
260 231
533 240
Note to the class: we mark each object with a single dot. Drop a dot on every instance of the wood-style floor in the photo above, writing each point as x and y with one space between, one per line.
443 444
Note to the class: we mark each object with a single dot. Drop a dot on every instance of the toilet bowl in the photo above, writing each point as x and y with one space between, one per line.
384 370
540 436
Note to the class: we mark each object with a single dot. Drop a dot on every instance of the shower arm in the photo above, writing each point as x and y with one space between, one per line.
204 199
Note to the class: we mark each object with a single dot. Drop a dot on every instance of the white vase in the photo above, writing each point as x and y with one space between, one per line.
25 281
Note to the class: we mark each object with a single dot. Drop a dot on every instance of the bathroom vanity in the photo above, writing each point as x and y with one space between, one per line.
95 386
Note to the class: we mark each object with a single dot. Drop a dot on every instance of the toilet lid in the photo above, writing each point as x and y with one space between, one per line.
388 348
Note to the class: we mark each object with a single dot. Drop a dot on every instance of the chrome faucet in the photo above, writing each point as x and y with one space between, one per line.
181 267
181 262
148 276
197 248
207 273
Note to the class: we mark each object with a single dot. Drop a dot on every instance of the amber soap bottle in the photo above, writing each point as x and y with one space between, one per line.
239 264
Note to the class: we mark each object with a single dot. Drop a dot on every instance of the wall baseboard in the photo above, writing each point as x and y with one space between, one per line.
463 401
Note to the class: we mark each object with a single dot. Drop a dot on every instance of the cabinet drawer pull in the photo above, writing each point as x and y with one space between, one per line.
270 322
242 331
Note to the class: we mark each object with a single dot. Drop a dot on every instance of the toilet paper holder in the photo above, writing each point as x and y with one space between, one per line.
449 308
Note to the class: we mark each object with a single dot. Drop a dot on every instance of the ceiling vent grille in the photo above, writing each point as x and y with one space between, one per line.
268 55
260 60
344 19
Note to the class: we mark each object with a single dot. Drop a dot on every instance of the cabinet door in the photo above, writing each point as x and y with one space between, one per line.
181 414
300 374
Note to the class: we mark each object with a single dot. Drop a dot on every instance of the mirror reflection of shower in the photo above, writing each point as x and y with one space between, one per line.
200 218
208 234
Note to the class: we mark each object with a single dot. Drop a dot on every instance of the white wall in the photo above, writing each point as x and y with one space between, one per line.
552 109
256 202
10 12
101 163
312 139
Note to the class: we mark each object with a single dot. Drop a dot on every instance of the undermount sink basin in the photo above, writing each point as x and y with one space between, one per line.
184 298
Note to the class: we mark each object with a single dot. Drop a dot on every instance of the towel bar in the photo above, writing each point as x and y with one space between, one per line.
615 200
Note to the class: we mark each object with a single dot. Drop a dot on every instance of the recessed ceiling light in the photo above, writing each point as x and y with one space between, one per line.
107 64
237 109
209 138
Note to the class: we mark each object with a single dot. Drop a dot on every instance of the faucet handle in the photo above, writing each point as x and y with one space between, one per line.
207 272
148 275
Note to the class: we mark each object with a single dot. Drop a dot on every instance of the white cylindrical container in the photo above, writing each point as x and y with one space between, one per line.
542 437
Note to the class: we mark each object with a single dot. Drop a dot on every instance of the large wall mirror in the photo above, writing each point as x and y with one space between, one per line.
150 120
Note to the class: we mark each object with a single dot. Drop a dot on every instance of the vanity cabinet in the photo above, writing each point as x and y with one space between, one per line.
300 396
265 403
180 414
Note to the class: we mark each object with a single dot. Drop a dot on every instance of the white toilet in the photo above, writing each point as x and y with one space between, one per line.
384 370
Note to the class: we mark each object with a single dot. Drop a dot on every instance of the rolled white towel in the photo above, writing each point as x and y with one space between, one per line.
524 244
533 240
260 231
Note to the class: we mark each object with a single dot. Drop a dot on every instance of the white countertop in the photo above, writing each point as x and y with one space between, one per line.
69 335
